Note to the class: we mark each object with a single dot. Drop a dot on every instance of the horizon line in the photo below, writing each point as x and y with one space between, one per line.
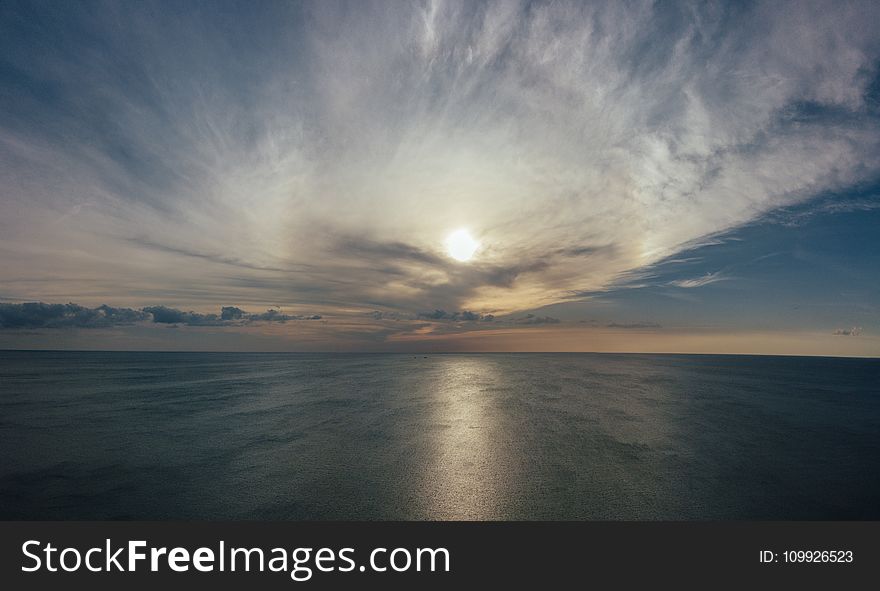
426 353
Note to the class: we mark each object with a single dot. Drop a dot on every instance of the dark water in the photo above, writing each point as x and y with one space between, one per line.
501 436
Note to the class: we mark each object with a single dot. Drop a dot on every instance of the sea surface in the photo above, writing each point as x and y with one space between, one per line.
475 436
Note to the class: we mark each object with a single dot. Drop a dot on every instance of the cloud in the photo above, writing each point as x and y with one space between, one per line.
40 315
214 258
385 251
278 316
231 313
633 325
463 316
533 319
848 332
470 316
799 215
706 279
318 154
165 315
380 315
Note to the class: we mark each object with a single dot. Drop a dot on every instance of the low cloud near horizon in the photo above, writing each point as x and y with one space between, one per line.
41 315
848 332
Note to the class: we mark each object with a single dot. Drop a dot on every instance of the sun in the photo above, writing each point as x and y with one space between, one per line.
461 246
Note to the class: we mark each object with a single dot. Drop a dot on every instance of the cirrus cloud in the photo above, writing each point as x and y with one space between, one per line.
317 154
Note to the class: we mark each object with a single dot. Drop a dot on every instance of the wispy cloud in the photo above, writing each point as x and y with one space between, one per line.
799 215
316 155
706 279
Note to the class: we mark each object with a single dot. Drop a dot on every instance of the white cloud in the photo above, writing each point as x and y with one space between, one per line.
700 281
579 141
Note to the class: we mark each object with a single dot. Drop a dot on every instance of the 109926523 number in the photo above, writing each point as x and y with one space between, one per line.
818 556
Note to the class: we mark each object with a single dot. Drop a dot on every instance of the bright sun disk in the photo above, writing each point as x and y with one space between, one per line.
461 246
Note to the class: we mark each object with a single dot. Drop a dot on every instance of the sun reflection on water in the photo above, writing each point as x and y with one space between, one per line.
465 478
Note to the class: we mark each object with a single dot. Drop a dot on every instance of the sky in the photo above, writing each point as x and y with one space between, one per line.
634 176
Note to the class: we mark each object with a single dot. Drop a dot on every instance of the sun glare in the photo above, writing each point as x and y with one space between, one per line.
461 246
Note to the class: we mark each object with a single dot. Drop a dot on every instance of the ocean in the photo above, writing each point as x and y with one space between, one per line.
113 435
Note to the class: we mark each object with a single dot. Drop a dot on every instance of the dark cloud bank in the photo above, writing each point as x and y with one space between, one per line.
40 315
468 316
848 332
464 315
